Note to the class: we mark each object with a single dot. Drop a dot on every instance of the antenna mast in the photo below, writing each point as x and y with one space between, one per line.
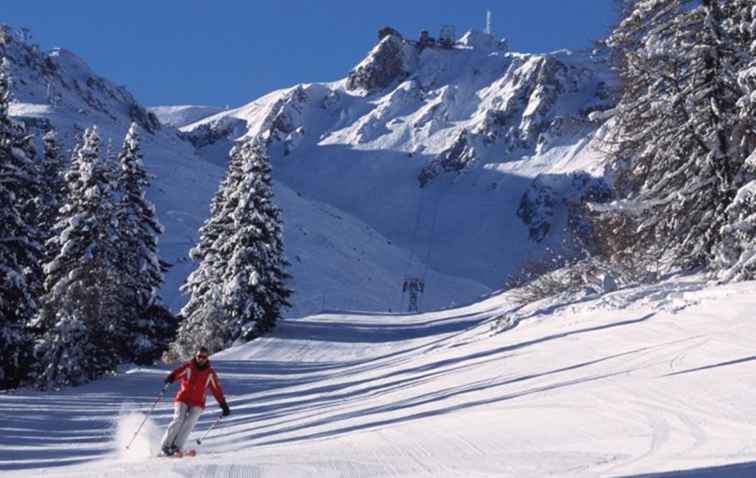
488 22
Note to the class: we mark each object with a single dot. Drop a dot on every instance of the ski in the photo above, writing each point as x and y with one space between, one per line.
183 454
179 454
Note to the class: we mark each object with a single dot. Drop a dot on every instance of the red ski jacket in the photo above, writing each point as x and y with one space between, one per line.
195 381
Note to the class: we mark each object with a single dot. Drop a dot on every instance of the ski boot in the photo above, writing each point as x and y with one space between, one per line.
171 451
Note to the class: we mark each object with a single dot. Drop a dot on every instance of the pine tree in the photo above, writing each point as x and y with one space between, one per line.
138 223
80 312
19 251
204 321
254 279
139 265
741 27
51 198
675 158
736 255
238 289
711 93
53 193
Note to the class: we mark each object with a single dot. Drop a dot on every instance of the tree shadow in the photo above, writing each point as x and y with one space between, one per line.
324 397
736 470
707 367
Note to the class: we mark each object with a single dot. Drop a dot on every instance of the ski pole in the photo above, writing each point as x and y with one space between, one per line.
160 397
215 424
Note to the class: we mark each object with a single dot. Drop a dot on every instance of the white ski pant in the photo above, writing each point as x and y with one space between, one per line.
184 419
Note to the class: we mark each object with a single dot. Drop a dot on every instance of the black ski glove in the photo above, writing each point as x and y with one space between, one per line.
168 379
226 410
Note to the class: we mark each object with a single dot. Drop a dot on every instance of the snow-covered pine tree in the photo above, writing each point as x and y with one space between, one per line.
139 265
80 309
711 93
138 222
112 168
18 248
675 158
51 197
238 290
254 277
203 321
736 254
53 188
740 26
53 191
646 70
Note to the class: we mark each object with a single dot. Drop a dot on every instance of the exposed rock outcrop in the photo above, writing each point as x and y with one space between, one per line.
384 65
456 158
540 204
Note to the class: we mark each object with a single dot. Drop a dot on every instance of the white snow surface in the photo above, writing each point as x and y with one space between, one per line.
182 115
642 380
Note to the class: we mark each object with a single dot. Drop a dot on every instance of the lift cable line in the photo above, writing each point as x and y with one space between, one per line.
414 282
416 227
432 235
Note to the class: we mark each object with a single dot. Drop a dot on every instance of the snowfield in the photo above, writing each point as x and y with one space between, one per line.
638 381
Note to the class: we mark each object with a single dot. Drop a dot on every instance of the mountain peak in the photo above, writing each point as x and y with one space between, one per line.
386 62
395 57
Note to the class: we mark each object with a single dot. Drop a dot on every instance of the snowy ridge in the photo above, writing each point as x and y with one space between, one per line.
612 385
428 143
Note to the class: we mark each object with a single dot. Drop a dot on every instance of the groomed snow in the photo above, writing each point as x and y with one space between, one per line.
642 380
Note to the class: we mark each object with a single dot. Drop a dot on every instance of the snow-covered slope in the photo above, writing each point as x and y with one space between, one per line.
435 148
640 380
183 115
338 260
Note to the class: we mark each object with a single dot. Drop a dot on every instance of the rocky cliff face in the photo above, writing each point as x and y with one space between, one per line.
551 198
384 65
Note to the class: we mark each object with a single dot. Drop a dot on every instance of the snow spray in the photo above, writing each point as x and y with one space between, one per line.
146 444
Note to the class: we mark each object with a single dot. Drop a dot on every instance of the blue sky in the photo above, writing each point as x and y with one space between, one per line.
228 53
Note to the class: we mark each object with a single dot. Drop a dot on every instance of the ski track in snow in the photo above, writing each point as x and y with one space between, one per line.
645 380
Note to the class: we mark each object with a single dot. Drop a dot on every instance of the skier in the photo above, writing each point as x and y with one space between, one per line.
196 377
